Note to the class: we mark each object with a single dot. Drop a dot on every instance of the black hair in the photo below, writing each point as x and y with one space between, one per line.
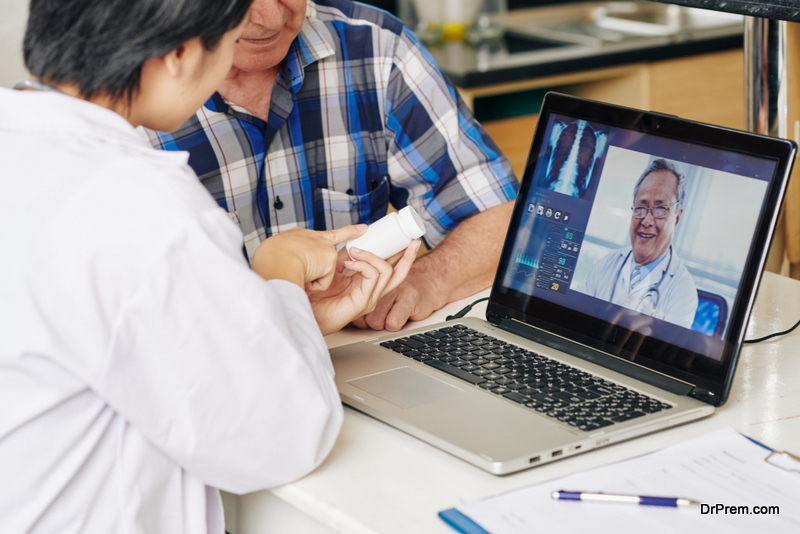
101 45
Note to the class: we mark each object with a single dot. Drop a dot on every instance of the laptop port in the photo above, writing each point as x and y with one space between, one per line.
554 454
534 460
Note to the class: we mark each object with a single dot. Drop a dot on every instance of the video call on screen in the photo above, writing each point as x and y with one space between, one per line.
579 214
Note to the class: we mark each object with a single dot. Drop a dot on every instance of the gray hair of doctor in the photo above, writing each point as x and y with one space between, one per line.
663 165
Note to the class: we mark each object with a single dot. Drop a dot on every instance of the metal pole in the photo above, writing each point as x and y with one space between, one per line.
766 83
766 99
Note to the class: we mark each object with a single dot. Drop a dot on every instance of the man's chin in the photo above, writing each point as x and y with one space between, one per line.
252 64
644 257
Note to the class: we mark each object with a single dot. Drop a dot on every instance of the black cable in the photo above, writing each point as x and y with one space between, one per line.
774 334
465 310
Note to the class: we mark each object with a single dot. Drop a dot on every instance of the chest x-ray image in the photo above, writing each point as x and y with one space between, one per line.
574 150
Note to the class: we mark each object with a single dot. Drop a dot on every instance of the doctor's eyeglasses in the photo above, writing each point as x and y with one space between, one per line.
659 212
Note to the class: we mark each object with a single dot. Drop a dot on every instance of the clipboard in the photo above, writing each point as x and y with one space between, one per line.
743 473
780 459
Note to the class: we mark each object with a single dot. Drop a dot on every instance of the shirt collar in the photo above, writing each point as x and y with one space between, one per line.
312 44
650 267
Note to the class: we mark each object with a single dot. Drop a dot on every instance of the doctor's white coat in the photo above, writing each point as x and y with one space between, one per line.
677 293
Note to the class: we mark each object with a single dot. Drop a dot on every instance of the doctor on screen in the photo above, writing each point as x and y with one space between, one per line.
648 276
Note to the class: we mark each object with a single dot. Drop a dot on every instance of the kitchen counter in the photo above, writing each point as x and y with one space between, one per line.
769 9
548 41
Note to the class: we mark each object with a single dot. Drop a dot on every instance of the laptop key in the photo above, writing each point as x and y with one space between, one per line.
544 398
566 397
435 334
455 371
408 342
600 390
627 416
517 397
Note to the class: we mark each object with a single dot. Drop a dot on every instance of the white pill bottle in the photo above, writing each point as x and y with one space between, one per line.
391 234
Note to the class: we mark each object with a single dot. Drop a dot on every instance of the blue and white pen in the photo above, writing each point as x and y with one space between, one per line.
630 499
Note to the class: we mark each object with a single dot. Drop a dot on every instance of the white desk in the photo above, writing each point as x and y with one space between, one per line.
378 480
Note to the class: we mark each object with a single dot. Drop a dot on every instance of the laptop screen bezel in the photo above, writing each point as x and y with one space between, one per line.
579 328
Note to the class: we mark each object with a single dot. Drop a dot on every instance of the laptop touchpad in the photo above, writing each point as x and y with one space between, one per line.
405 387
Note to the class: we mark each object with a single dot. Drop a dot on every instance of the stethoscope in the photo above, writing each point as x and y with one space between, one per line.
653 290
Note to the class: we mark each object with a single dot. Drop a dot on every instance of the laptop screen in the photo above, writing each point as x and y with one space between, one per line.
642 235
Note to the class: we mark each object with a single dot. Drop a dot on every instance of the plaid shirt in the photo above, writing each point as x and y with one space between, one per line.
360 116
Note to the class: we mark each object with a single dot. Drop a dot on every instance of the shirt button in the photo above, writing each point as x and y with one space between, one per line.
278 203
349 191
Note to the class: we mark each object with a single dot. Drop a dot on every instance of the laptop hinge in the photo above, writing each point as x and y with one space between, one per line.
704 395
633 370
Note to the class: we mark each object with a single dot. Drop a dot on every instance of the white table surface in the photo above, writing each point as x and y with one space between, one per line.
378 480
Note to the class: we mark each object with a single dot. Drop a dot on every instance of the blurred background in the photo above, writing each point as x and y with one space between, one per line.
12 29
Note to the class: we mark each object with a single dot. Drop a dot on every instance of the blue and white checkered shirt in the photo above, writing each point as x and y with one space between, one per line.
360 116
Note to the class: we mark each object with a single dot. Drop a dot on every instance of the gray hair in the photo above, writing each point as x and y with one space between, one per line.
663 165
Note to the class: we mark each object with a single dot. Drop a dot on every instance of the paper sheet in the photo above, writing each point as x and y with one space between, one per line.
721 468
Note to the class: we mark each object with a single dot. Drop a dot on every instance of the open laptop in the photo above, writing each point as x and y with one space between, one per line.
578 351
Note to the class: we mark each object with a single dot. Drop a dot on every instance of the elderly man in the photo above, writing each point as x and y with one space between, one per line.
332 111
648 276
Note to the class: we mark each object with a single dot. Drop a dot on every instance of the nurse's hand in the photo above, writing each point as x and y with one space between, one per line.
358 285
304 257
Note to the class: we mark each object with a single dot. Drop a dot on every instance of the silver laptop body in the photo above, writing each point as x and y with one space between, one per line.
568 371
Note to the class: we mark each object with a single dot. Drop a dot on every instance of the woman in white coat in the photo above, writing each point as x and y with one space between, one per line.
143 364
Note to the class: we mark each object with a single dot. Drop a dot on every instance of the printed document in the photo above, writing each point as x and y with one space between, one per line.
724 470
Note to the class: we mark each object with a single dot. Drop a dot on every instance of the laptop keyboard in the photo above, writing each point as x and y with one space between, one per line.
567 394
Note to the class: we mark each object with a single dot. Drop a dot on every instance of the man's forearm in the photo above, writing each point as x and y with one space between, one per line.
466 261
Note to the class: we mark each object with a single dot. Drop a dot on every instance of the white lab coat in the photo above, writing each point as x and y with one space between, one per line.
142 363
677 301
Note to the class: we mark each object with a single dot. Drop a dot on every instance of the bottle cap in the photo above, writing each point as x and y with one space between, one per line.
411 222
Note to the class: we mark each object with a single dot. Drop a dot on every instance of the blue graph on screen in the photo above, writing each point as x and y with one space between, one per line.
527 260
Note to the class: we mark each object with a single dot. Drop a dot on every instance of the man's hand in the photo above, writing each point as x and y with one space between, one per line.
463 264
413 300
